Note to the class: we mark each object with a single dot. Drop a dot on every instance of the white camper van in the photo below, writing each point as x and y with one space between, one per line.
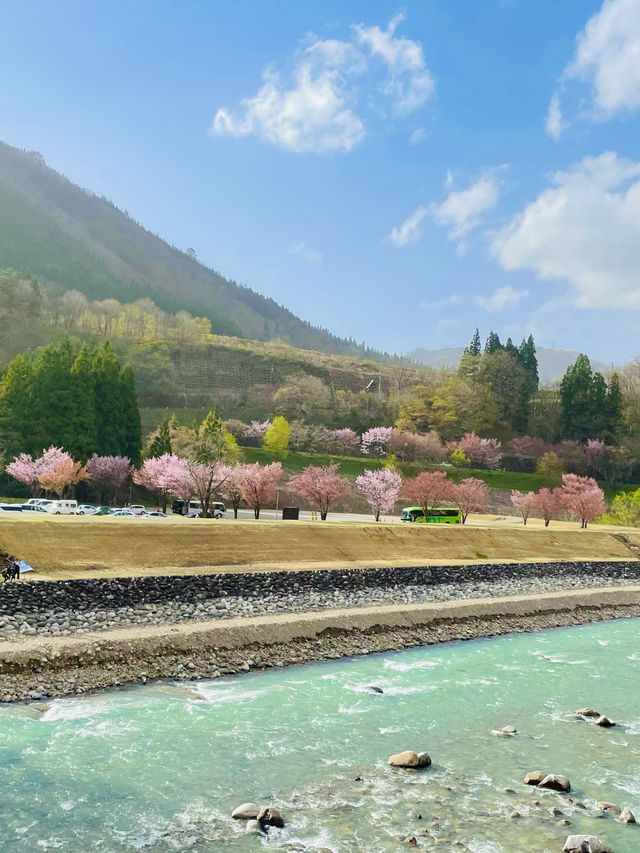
62 507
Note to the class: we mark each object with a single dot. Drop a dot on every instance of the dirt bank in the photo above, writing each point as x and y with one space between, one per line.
72 548
38 667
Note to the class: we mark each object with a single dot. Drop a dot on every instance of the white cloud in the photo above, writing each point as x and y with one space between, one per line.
409 83
503 297
607 59
460 212
311 256
418 135
311 116
438 305
584 229
318 107
411 229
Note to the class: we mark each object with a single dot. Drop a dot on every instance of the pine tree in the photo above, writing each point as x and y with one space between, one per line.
474 347
132 432
109 402
161 443
85 424
614 406
18 431
493 343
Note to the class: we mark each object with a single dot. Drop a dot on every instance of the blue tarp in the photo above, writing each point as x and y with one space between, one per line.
25 567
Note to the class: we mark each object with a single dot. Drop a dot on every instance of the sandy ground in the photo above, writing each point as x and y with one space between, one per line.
38 667
61 548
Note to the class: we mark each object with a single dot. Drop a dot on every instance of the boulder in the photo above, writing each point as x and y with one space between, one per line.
247 811
608 807
627 816
409 759
555 782
371 688
605 722
587 712
509 730
501 733
534 778
270 817
585 844
254 827
410 841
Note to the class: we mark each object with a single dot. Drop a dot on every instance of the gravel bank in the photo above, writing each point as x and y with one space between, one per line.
39 667
63 608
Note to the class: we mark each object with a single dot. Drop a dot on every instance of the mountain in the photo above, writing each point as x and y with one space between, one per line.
552 363
70 239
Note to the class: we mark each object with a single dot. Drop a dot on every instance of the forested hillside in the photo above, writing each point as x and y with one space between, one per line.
69 238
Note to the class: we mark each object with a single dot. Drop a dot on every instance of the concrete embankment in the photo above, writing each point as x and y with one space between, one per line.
69 547
37 667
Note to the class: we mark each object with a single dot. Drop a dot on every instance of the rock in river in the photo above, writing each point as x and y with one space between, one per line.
554 782
253 826
608 807
605 722
627 816
585 844
409 759
270 817
534 778
247 811
587 712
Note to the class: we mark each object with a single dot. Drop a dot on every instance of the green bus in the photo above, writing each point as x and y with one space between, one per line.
437 515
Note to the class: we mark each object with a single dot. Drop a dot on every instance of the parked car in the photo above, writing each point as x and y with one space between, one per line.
11 507
136 509
62 507
124 513
38 502
155 514
33 508
104 510
216 510
177 507
87 509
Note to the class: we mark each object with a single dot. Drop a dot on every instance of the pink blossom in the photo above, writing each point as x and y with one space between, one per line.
109 471
548 502
583 497
429 489
322 487
375 441
25 470
257 429
347 440
260 484
523 502
528 445
486 452
470 495
165 475
233 486
380 489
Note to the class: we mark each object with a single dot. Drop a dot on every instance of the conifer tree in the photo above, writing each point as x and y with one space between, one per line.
493 343
109 402
161 443
85 426
132 432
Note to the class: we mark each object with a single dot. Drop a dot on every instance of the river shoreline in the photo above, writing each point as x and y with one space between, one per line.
36 668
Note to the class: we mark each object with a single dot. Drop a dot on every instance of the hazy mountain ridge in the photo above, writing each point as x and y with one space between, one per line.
71 238
552 363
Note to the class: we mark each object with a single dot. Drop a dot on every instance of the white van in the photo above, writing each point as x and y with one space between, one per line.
62 507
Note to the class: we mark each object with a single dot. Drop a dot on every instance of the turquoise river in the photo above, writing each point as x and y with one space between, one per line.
160 767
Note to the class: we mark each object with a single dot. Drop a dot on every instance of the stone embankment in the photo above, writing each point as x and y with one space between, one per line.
77 606
38 667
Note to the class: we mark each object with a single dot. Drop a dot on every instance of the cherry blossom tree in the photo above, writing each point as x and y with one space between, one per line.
260 484
232 488
594 448
429 489
206 480
167 476
470 495
60 473
380 489
583 497
523 502
257 430
486 452
25 470
345 440
375 441
530 445
322 487
109 472
548 502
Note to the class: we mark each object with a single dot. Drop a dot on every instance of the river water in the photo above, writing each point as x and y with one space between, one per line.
160 768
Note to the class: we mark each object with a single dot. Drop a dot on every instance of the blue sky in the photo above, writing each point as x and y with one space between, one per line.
395 173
